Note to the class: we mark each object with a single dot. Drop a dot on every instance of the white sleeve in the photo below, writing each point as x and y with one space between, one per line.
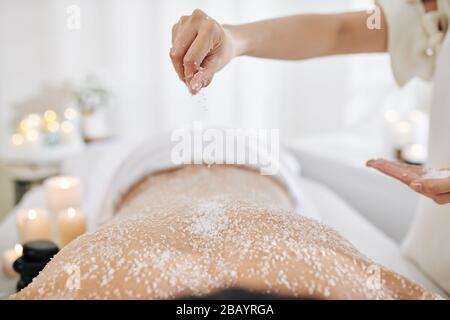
414 37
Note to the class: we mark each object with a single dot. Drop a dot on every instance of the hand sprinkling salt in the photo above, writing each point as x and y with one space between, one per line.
199 81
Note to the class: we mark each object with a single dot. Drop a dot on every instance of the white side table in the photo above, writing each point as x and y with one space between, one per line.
28 168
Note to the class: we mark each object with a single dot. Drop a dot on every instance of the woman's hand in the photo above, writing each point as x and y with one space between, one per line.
430 5
434 184
200 48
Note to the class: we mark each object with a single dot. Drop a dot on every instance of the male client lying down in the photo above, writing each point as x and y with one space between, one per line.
196 230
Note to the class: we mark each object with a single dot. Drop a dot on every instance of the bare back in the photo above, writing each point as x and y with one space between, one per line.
196 230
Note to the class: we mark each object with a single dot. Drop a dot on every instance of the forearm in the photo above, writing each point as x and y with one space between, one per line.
307 36
430 5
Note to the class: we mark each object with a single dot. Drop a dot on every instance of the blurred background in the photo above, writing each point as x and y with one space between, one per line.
64 85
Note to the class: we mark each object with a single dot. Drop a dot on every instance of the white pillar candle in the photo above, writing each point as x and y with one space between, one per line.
63 192
415 154
8 258
72 223
33 224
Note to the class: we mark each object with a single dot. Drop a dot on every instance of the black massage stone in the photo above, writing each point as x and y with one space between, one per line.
36 255
25 266
28 279
40 250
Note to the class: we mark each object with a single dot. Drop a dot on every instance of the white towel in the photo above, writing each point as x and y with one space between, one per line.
125 166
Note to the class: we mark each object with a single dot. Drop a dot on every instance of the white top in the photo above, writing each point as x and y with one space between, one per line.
419 46
415 37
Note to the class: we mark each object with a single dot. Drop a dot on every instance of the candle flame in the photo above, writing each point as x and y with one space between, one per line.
50 116
32 214
17 139
24 125
67 127
70 114
18 249
32 135
65 184
71 212
34 120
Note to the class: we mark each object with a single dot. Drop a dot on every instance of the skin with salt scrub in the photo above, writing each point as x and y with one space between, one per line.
194 231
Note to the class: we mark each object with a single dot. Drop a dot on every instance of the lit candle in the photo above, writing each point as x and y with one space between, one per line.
63 192
33 224
50 116
34 120
53 126
17 139
8 258
24 126
71 114
72 223
415 154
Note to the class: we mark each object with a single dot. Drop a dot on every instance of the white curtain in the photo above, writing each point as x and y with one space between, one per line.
127 44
